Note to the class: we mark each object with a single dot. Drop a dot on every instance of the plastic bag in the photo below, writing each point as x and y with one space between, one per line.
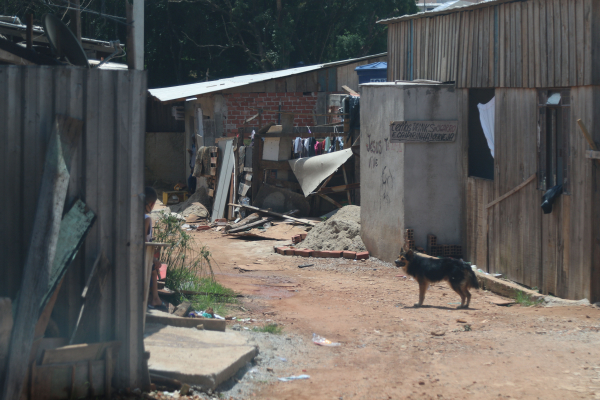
321 341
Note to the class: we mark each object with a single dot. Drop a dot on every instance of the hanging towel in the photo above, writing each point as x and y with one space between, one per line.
298 145
327 144
487 114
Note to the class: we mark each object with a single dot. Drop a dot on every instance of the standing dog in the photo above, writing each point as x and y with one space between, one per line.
427 270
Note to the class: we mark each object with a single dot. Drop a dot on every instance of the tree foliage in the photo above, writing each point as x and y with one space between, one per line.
194 40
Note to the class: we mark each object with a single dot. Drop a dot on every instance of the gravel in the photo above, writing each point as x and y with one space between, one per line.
278 357
340 232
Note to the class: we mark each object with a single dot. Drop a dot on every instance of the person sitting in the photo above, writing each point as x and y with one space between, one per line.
150 198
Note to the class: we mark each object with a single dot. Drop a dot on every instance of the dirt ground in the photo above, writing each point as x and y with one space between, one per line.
388 348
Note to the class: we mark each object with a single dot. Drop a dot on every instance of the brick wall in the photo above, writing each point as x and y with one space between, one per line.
239 108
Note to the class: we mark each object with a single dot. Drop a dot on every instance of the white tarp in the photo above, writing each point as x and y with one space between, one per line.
311 171
487 114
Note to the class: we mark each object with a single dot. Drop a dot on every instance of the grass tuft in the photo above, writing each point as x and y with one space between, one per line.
189 268
525 300
269 328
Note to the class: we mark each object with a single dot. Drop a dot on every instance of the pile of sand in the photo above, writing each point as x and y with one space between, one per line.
191 206
340 232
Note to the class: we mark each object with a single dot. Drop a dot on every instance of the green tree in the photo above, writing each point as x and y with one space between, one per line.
195 40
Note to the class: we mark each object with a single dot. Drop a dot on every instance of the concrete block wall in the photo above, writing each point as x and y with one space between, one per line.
240 106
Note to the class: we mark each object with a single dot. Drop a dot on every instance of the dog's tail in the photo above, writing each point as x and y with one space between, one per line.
474 283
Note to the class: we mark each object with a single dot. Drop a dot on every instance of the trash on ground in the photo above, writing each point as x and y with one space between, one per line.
305 265
294 378
321 341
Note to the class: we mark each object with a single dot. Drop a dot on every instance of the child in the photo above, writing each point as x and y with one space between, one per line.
150 197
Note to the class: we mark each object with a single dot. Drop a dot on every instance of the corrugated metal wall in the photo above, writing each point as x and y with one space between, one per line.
107 174
534 43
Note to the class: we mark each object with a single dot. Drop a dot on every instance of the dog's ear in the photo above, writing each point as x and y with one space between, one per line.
402 251
409 254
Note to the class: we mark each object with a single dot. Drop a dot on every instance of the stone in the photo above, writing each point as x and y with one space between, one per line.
198 358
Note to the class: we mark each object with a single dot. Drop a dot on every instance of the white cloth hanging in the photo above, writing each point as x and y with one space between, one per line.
487 116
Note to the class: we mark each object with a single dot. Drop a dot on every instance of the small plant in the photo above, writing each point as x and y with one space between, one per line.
525 300
269 328
467 327
189 271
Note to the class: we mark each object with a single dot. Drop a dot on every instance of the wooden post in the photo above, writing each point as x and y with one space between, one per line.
135 34
42 249
256 158
29 37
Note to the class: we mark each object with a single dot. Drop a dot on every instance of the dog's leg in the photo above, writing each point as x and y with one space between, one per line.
468 294
422 290
458 289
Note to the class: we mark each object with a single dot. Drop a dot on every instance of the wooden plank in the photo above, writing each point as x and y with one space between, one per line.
224 179
592 154
275 214
571 31
485 48
38 264
77 353
479 48
249 225
524 43
518 49
580 40
470 38
587 41
564 33
501 46
551 45
531 43
341 188
330 200
346 182
543 45
350 91
106 140
512 49
290 84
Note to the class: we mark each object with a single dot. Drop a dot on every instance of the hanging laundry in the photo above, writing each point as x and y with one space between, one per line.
327 144
318 148
298 145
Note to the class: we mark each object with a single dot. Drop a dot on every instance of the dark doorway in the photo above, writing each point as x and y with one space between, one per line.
481 162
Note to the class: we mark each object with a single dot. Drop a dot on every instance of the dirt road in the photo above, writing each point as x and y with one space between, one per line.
390 350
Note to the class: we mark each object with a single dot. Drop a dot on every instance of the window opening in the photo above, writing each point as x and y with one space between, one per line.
481 160
554 126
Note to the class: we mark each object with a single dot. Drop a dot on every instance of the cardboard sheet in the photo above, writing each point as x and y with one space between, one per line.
311 171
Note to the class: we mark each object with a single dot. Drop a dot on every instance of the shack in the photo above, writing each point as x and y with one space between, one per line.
73 145
214 111
522 74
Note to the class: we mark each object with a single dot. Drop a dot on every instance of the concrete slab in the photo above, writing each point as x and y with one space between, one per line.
201 358
161 317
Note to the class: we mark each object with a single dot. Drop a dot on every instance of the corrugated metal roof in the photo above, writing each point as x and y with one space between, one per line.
482 4
181 92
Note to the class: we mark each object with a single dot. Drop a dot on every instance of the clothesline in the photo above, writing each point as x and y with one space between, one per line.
311 147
